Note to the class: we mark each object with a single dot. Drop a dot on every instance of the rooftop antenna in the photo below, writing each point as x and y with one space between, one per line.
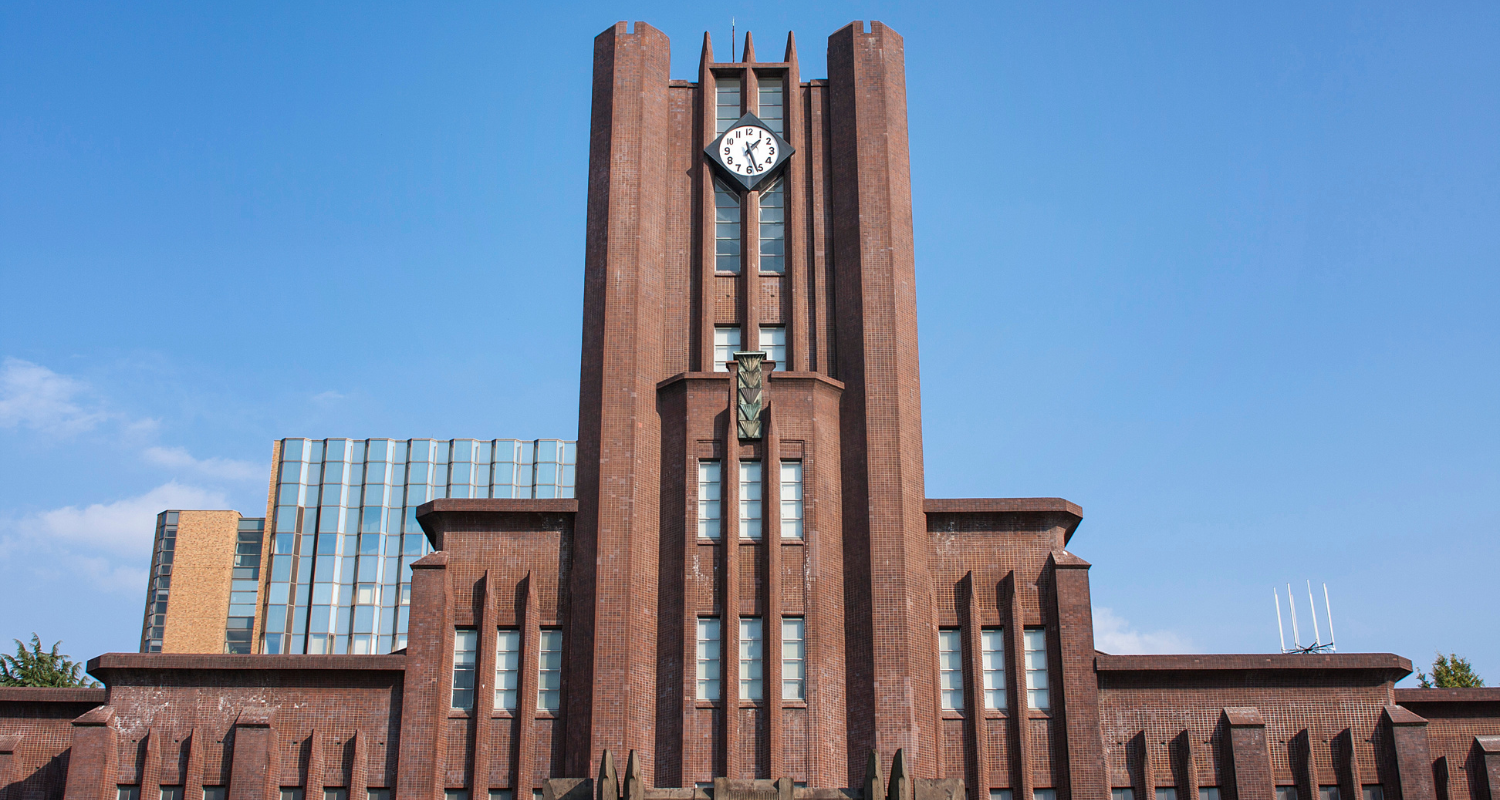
731 40
1318 645
1296 637
1280 631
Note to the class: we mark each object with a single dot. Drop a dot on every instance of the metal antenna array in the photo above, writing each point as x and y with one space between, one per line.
1318 645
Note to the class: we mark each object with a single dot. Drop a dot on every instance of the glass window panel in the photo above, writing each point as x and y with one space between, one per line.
1122 793
465 660
709 495
726 229
1036 670
772 230
726 103
773 344
726 344
752 659
1286 793
1000 794
750 500
507 669
549 671
992 661
1371 792
793 659
950 668
708 658
1168 793
772 103
791 500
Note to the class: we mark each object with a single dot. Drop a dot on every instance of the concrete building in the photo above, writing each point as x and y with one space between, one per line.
751 595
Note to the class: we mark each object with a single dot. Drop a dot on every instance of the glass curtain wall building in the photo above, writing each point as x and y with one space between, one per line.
344 532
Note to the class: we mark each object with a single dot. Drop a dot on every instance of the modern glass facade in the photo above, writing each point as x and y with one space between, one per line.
159 585
344 530
244 588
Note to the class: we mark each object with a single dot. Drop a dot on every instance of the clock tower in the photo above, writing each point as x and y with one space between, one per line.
775 502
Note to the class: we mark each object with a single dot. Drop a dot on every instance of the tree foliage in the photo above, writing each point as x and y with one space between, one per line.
38 667
1450 672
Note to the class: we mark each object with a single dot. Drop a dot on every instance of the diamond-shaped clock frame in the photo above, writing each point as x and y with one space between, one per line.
784 151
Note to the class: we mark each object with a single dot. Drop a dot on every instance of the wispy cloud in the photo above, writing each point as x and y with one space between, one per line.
97 531
327 398
180 459
1114 634
32 396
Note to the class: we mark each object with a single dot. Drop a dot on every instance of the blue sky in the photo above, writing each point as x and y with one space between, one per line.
1226 277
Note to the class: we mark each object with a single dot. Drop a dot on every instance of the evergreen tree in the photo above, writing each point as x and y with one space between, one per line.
1450 672
36 667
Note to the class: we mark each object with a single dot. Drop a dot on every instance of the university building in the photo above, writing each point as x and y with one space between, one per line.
749 594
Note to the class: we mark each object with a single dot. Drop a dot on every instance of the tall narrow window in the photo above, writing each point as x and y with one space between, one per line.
1036 669
726 344
951 668
752 659
507 669
726 229
750 500
1122 793
708 658
793 658
772 104
1170 793
773 227
791 499
773 344
709 493
549 671
465 651
992 660
1212 793
727 103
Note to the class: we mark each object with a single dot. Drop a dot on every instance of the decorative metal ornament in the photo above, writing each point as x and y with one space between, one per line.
748 398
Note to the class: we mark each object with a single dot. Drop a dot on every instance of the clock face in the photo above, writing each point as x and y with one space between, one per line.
747 150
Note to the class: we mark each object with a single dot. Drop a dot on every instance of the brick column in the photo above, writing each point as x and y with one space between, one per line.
192 782
93 764
526 695
150 777
770 491
1085 774
968 617
1413 757
611 668
1247 754
893 695
425 698
799 326
255 768
312 787
484 685
359 772
1015 682
1489 754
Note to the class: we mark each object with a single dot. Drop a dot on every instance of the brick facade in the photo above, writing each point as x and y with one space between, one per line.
879 575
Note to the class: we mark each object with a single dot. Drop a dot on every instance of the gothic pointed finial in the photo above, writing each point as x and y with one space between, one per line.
707 56
900 778
635 780
874 779
749 55
608 787
791 47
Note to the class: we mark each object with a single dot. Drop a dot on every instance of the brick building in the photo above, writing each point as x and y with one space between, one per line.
750 594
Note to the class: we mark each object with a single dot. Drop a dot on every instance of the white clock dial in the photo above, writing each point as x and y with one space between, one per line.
747 150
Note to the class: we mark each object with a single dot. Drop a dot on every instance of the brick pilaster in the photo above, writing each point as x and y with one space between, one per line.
425 696
1076 686
1413 756
255 766
1247 754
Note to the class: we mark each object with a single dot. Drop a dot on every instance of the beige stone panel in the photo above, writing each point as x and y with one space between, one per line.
202 568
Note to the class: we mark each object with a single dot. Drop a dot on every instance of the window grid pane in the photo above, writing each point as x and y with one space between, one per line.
752 659
726 229
465 652
750 505
773 228
709 498
772 104
793 659
708 658
549 671
791 499
1036 670
992 661
727 103
726 343
951 668
507 669
773 344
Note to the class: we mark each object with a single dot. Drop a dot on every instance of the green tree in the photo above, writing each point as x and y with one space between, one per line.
37 667
1450 672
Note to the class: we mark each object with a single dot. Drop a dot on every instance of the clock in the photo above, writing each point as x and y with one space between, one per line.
749 151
